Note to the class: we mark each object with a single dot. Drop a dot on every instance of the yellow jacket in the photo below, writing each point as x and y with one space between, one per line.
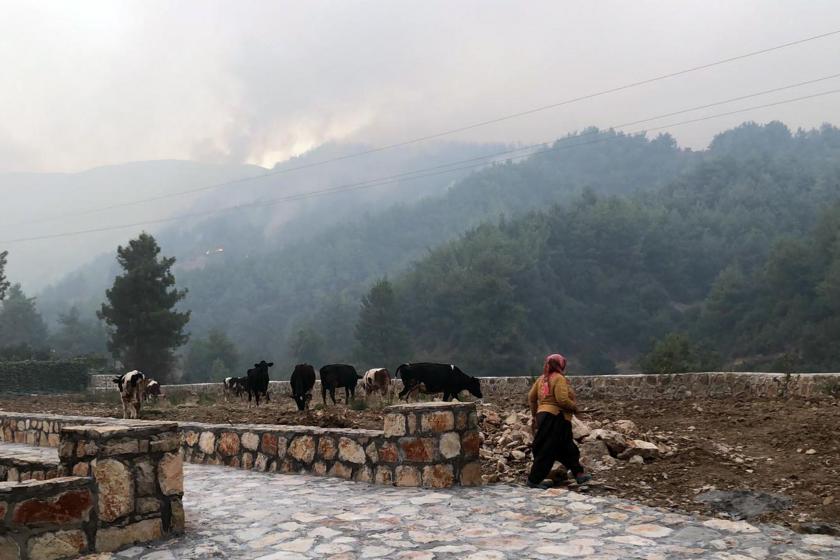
560 397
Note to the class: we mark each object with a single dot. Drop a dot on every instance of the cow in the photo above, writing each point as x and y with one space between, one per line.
377 380
152 391
302 382
334 376
132 385
436 378
257 381
234 386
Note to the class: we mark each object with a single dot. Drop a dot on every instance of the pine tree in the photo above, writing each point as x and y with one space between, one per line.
78 336
382 340
144 326
210 356
307 346
20 322
4 284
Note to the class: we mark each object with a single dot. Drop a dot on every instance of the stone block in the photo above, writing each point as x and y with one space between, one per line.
58 544
319 468
247 460
66 449
68 507
164 443
9 548
341 470
438 421
229 444
116 489
417 450
250 441
438 476
269 444
406 476
109 539
178 518
261 462
394 425
411 423
123 446
450 445
302 448
364 474
4 507
470 444
190 438
471 474
327 448
144 476
389 452
371 453
81 469
350 451
461 420
147 505
207 443
171 474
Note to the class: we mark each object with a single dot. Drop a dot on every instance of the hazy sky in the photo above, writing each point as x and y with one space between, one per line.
92 83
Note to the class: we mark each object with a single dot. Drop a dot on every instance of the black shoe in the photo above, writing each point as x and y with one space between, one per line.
544 485
583 478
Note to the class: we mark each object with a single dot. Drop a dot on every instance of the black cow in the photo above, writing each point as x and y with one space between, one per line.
436 378
302 382
334 376
257 381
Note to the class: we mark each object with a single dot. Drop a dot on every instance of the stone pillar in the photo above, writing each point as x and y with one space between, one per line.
139 473
437 444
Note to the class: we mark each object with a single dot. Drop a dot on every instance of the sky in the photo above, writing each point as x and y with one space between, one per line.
87 84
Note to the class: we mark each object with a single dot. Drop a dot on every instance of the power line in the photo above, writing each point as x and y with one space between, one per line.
417 174
441 134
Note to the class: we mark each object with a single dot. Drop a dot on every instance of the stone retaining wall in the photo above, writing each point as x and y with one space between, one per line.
19 465
433 445
626 387
135 468
47 520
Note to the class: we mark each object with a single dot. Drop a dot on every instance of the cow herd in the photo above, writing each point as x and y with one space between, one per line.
423 377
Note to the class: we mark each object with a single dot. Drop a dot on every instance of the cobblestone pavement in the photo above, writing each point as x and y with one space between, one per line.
239 514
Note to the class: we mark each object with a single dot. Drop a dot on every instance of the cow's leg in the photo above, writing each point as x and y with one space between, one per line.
332 395
406 390
125 407
324 394
137 409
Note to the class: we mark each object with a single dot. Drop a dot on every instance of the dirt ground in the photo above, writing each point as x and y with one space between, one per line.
782 447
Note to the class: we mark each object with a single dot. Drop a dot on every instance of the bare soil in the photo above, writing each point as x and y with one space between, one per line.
723 444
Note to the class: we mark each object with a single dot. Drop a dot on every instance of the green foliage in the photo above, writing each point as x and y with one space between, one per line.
211 358
20 322
57 376
145 327
380 334
677 354
4 284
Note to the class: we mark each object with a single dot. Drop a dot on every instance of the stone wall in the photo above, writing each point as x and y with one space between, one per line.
627 387
139 474
21 464
134 467
432 445
47 520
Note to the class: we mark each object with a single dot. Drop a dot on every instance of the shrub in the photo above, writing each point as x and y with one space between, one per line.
53 376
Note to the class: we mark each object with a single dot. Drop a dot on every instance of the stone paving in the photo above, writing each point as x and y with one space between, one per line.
238 514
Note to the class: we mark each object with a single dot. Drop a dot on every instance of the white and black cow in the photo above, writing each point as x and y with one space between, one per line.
377 380
436 378
132 386
153 391
233 386
302 382
257 381
334 376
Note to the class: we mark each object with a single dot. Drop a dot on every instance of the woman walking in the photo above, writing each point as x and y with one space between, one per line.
552 403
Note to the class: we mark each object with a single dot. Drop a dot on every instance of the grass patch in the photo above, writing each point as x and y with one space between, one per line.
831 387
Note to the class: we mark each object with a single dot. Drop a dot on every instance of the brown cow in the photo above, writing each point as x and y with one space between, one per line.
377 380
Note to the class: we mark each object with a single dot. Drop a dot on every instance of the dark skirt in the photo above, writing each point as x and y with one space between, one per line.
553 442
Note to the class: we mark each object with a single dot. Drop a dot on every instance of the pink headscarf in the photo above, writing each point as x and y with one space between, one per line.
555 363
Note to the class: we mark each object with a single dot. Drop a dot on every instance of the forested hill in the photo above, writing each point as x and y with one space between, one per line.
735 263
265 300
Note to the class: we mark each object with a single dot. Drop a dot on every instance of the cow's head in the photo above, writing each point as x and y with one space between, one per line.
263 365
474 386
302 401
119 381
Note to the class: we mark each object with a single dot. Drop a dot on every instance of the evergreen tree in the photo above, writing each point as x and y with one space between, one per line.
4 284
145 327
381 338
307 346
20 322
211 359
676 354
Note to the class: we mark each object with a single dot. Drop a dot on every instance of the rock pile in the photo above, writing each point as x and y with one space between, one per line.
506 439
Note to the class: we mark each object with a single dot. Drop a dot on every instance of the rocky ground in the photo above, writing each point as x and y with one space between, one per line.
776 461
784 454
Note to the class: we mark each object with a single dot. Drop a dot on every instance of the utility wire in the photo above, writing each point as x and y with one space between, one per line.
417 175
443 133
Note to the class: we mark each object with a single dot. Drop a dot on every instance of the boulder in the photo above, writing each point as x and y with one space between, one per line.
579 428
615 441
644 449
626 427
592 454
